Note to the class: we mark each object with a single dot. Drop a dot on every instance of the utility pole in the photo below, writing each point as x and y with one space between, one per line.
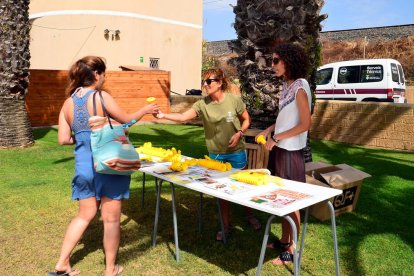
365 44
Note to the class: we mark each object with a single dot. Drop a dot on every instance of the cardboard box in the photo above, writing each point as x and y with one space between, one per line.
342 177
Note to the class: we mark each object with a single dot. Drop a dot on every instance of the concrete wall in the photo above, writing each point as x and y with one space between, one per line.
64 31
380 125
180 104
409 94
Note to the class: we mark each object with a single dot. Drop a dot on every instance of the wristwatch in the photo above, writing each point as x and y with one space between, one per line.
241 132
275 140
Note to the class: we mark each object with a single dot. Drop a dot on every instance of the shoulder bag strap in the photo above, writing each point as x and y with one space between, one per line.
94 104
105 112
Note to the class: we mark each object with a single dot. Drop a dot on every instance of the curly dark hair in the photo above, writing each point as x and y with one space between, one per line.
295 58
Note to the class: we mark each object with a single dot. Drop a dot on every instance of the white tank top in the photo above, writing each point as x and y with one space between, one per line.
288 116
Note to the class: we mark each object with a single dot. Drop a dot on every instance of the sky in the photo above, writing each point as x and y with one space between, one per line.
218 16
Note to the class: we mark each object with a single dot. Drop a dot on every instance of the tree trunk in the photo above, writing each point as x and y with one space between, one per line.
260 25
15 129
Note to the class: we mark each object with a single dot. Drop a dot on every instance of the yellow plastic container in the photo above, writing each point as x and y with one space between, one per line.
261 139
214 164
151 100
178 166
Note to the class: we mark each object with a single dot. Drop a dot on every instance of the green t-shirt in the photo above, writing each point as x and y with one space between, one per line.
221 121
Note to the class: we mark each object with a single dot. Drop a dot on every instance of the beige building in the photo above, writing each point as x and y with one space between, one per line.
161 34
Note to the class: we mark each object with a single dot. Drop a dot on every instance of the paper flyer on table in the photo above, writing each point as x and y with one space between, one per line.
147 163
187 176
228 186
279 198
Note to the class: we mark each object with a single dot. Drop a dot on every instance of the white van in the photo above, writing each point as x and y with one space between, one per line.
361 80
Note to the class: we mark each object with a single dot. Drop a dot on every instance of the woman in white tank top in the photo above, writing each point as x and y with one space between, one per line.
286 158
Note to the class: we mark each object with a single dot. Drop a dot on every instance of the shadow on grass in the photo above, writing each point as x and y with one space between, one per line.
244 242
91 241
64 160
382 208
41 132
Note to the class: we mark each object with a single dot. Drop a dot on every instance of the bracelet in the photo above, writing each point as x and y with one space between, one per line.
275 140
241 132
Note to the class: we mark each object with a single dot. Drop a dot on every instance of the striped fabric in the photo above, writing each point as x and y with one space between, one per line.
112 151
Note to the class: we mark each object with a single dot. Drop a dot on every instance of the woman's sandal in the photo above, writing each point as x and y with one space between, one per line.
254 222
219 236
64 273
277 244
118 270
284 258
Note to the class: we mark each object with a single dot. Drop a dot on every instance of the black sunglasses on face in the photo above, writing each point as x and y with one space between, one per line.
208 81
275 60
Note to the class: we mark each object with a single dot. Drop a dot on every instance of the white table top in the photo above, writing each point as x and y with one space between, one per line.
292 196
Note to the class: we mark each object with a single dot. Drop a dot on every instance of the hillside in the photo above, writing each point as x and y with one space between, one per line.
401 49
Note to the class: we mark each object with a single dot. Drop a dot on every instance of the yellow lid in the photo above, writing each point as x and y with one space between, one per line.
261 139
151 100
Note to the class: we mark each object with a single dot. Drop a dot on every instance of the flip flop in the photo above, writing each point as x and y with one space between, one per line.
64 273
284 258
254 223
219 236
118 270
278 245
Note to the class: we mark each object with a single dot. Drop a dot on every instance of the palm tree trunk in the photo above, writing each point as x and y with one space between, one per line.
15 129
260 25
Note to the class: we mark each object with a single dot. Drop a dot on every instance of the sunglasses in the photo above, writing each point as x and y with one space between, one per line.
208 81
275 60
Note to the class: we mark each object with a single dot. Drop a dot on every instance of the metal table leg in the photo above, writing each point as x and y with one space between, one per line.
302 240
157 211
143 189
177 249
221 222
335 240
200 215
295 242
264 244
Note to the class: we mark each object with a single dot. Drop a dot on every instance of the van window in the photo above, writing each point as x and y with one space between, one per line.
394 73
324 76
349 74
371 73
401 71
358 74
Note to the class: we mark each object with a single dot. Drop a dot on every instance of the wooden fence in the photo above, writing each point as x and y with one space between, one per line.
129 88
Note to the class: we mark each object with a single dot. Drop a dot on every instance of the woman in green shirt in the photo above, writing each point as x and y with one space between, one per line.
225 119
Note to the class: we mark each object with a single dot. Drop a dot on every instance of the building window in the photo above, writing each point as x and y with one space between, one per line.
154 63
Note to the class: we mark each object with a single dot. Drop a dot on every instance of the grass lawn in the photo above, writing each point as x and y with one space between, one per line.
376 239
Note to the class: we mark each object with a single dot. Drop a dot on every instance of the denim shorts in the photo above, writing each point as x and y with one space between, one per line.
238 160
